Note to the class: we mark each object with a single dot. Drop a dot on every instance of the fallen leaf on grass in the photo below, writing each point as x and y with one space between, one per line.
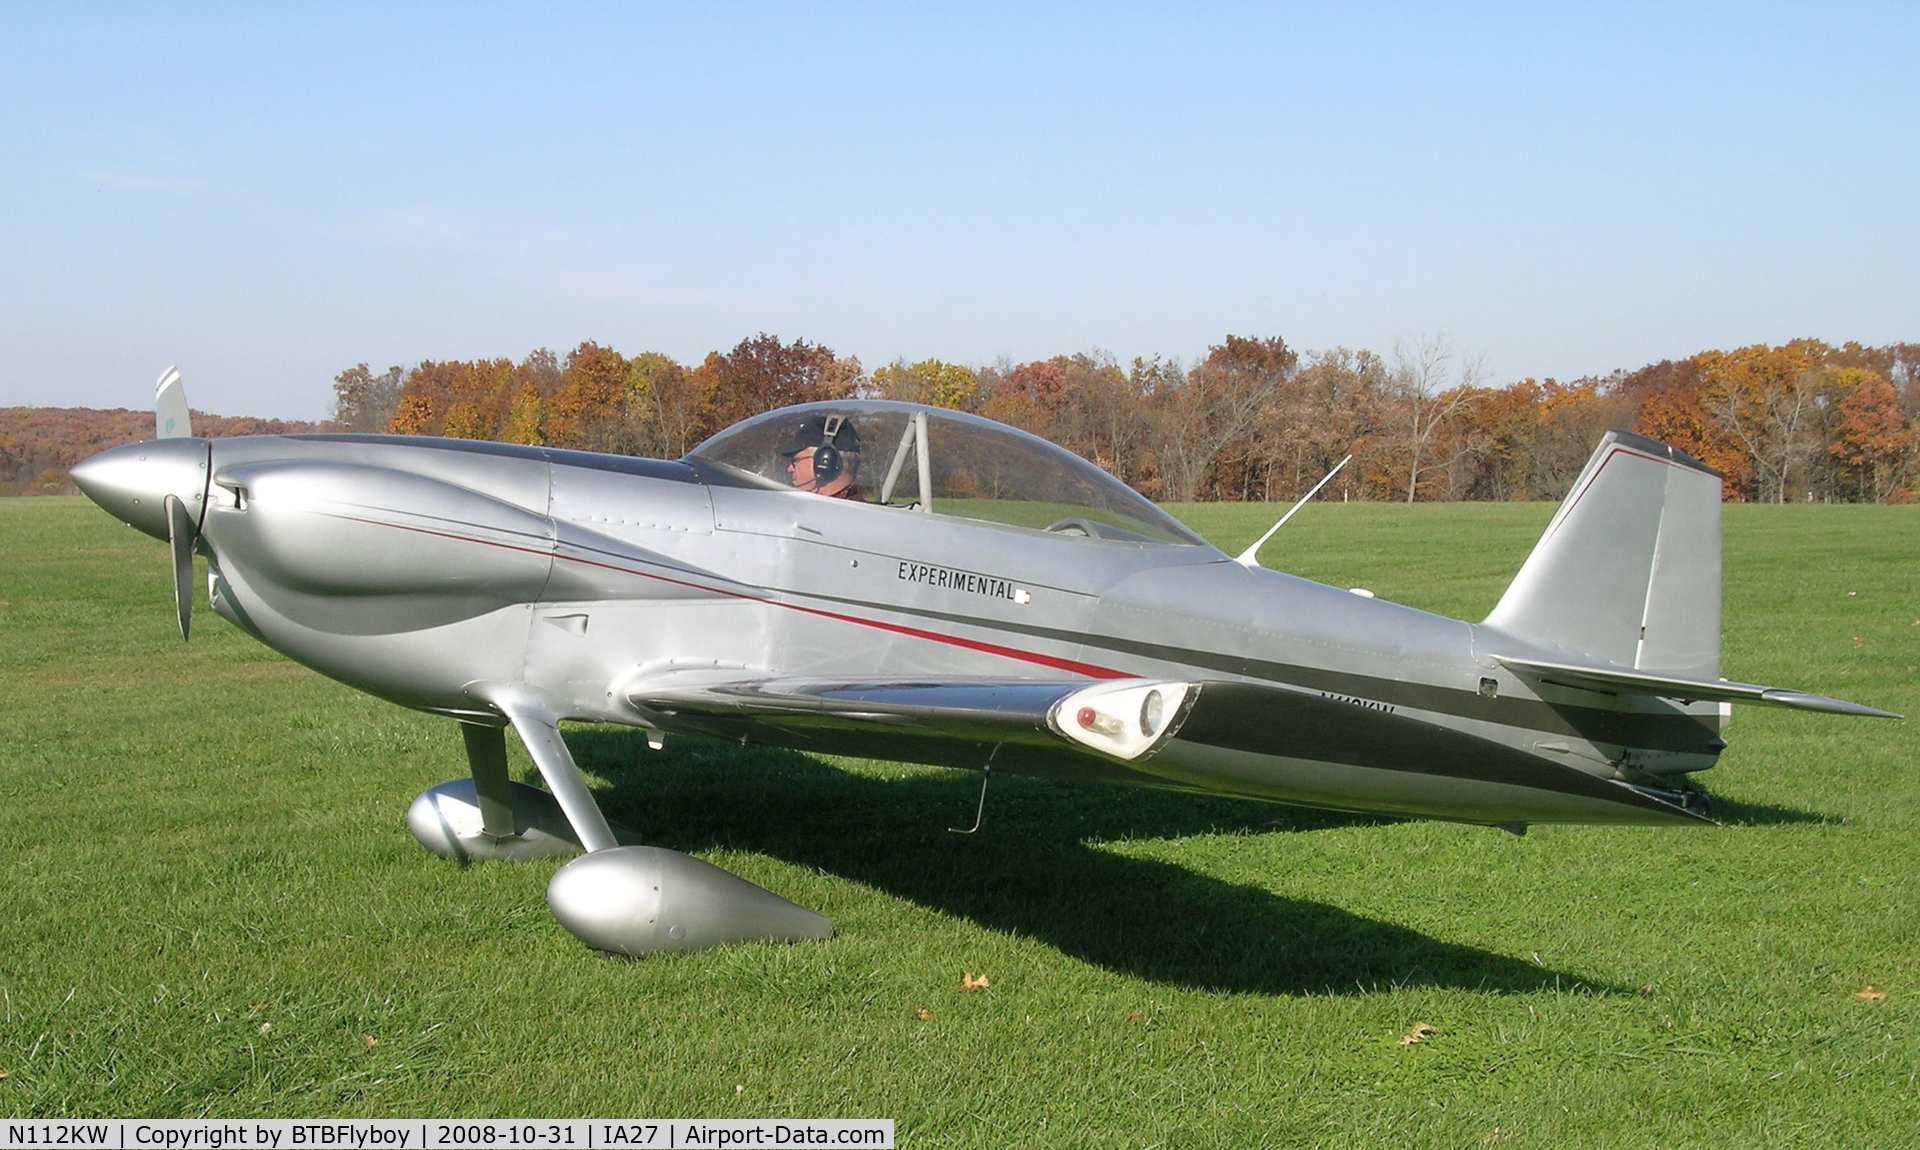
1134 1017
969 982
259 1008
1870 994
1497 1136
923 1014
1419 1033
265 1026
3 1074
371 1041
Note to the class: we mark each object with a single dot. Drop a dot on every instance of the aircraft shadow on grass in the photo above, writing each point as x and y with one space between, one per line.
1032 871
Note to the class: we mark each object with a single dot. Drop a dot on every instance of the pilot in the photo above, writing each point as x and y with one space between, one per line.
823 456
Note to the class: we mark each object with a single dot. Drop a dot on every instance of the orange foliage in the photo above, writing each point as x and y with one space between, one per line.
1677 419
587 411
1801 420
1876 442
413 416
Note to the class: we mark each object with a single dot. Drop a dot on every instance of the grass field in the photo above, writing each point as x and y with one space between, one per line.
210 905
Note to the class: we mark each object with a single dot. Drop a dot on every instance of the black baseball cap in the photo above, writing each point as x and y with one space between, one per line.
813 432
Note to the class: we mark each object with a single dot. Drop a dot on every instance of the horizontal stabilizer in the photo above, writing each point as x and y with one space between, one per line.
1623 682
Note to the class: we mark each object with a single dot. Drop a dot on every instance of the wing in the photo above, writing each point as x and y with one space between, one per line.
1233 738
1610 681
1126 719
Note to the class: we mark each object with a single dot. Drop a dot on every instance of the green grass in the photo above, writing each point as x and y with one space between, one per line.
210 902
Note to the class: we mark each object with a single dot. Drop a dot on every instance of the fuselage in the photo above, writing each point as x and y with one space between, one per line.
417 569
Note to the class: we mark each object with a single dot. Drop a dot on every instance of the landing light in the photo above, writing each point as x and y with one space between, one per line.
1151 713
1126 719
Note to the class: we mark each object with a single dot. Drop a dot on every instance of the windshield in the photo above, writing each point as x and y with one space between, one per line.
941 462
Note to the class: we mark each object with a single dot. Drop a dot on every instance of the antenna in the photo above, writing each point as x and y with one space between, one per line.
1250 557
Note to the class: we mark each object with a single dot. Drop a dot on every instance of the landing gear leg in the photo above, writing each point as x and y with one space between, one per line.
487 759
636 900
488 816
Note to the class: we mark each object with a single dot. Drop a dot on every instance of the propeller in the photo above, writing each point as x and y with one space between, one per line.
180 537
171 420
159 487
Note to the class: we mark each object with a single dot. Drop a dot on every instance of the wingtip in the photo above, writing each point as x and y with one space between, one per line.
1810 702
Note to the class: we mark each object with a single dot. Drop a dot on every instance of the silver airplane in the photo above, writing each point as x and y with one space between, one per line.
915 584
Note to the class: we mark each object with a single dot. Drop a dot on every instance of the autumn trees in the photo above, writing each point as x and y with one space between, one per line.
1800 421
363 401
1874 443
1254 418
598 399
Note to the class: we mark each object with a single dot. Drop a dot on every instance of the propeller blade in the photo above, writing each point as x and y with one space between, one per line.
180 535
170 417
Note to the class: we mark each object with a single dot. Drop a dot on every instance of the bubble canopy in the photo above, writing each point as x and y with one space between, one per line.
934 461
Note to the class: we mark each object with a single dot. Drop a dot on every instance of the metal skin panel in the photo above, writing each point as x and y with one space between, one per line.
1264 627
866 589
507 584
425 668
511 474
346 531
390 580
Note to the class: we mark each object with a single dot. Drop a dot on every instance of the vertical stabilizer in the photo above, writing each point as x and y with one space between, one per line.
1629 569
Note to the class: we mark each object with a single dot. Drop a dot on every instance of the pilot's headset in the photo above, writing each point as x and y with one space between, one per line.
826 457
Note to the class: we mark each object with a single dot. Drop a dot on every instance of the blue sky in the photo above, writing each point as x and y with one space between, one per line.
266 194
